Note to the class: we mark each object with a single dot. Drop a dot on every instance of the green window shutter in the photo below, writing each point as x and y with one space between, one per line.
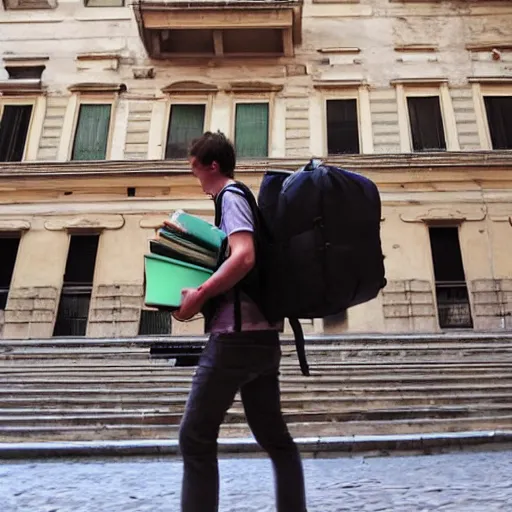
185 124
92 132
251 130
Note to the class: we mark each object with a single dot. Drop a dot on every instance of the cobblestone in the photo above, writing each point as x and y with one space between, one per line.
462 482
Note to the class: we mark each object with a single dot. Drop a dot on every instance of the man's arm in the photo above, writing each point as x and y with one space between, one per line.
241 260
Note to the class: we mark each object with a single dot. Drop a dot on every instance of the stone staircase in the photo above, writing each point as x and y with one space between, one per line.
91 389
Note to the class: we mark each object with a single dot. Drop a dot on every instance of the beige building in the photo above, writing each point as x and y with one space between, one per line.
98 100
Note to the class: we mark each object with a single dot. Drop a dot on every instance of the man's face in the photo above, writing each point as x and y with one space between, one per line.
204 173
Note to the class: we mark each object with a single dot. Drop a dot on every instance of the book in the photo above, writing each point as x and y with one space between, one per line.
196 230
163 248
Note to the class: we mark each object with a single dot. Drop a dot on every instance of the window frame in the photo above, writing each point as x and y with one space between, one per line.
439 88
247 101
353 96
12 235
35 126
480 91
185 100
411 96
318 114
70 125
64 287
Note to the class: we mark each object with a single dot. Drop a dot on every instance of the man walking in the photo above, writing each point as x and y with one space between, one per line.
243 351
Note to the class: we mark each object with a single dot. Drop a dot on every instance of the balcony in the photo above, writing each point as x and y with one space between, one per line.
219 29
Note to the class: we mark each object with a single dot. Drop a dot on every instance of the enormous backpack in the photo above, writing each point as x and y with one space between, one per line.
318 247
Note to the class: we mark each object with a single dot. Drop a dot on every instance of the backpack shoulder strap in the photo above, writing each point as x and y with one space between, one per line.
243 191
300 343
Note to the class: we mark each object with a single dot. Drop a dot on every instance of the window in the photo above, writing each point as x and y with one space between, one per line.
154 322
342 127
30 4
14 131
76 292
186 123
8 252
426 123
91 137
499 117
104 3
451 290
251 130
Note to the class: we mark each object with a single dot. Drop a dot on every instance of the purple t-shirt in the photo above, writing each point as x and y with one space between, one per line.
237 216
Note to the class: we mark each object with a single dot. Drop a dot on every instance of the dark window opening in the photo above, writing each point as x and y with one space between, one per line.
426 123
75 299
499 117
154 323
186 123
130 191
14 131
451 290
25 72
8 253
187 41
342 127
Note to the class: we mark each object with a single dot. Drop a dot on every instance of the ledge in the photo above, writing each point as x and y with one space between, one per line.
416 48
92 222
429 214
241 87
490 80
21 86
14 225
25 60
97 87
338 84
190 87
342 50
487 47
460 161
419 81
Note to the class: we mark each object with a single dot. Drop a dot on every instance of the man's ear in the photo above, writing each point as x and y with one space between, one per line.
215 166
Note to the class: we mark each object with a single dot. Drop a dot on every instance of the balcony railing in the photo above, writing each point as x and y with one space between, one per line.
73 311
453 305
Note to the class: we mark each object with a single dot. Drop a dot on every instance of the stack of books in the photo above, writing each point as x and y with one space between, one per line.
184 254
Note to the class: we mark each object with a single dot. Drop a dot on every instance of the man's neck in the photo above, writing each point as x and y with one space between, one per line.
219 185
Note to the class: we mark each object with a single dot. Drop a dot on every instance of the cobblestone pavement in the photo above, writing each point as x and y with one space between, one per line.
465 482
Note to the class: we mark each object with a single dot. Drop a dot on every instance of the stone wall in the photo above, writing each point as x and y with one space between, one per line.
31 312
492 304
115 310
409 306
137 130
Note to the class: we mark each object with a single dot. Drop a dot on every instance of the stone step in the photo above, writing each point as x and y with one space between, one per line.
120 432
305 401
425 378
235 415
338 385
309 402
147 378
313 350
148 366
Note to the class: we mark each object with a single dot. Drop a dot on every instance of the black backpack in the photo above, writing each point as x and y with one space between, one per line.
318 247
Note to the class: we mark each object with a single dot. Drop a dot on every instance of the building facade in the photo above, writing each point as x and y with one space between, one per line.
100 98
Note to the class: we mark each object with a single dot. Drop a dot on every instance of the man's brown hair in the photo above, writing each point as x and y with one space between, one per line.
215 147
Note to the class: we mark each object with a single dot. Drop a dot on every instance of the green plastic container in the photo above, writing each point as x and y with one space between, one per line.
165 278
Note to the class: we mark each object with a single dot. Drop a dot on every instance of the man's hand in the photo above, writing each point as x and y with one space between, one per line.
240 261
192 301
